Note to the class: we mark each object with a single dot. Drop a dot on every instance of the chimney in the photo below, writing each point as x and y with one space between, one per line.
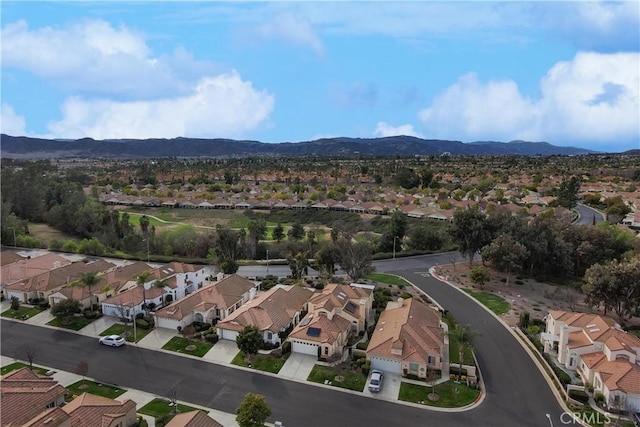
330 315
252 293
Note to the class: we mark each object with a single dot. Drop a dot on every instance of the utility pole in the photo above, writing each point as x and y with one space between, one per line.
267 262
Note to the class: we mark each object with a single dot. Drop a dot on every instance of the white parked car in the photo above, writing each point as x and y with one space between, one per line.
112 340
375 383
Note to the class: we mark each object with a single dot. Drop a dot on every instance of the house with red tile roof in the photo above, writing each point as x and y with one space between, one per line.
408 339
24 395
24 268
334 314
213 302
272 312
90 410
597 348
193 419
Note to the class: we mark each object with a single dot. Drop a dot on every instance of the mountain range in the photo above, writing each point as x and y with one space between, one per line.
21 147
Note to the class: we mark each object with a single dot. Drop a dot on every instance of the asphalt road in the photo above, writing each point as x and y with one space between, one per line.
517 394
588 215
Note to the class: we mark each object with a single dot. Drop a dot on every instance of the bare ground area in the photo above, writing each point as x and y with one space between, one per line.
524 294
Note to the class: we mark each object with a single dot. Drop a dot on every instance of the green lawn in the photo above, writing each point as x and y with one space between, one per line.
22 313
261 362
160 407
493 302
447 396
179 344
352 380
388 278
74 323
119 329
87 386
17 365
134 219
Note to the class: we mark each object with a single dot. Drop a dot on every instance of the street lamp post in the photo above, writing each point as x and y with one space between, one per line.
267 262
394 246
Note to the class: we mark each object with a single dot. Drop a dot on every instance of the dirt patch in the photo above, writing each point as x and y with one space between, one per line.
523 293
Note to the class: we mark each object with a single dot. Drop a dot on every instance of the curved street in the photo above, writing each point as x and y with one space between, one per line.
517 393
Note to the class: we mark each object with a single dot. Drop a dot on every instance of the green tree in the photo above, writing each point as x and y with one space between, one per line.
141 279
15 303
227 249
568 192
278 233
90 280
425 238
249 340
479 275
257 230
298 264
296 233
66 308
470 232
326 261
505 254
615 285
253 411
463 335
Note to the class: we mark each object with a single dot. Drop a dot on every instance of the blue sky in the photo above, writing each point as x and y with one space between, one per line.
563 72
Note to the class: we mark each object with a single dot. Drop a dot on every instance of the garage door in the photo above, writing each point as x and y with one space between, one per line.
385 365
304 348
226 334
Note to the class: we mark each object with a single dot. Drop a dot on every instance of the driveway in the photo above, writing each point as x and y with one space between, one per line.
222 352
298 367
157 338
98 326
390 387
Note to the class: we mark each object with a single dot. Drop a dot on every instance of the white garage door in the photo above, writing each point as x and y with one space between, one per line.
304 348
227 334
385 365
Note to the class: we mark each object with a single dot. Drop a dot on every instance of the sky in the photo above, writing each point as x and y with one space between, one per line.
567 73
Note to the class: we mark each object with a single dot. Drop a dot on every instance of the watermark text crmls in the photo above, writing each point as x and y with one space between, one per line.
578 418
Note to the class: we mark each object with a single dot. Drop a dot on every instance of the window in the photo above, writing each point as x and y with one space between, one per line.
199 317
269 335
431 359
413 367
326 350
571 361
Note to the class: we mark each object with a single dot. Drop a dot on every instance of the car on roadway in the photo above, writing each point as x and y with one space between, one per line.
112 340
375 383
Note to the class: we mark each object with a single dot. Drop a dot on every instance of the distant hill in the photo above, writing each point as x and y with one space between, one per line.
33 148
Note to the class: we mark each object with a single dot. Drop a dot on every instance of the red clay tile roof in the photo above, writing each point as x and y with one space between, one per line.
90 410
193 419
330 329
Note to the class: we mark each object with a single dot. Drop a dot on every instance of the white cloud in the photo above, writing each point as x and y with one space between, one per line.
593 98
10 122
96 58
293 30
385 129
222 106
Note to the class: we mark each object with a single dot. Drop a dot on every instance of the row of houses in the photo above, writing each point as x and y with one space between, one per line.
32 400
599 351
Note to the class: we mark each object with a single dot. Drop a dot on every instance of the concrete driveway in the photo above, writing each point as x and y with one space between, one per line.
98 326
222 352
390 387
297 367
157 338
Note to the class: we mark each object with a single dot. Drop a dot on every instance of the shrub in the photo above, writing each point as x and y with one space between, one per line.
405 295
362 345
201 326
44 305
366 367
503 280
524 319
579 395
519 282
562 375
599 398
141 323
286 347
212 338
90 314
533 330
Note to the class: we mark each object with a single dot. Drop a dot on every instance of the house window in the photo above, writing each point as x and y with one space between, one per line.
571 361
269 335
326 351
431 360
199 317
413 367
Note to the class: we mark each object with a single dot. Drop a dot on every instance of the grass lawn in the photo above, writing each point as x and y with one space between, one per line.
160 407
493 302
74 323
352 380
179 344
88 386
261 362
448 398
388 278
22 313
119 329
17 365
134 219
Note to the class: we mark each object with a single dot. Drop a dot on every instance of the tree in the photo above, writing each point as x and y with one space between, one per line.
249 340
15 304
479 275
463 335
172 395
470 231
505 254
30 352
615 285
296 232
326 261
568 192
140 281
81 369
425 238
227 249
278 233
354 258
396 230
253 411
298 265
66 308
89 280
257 231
